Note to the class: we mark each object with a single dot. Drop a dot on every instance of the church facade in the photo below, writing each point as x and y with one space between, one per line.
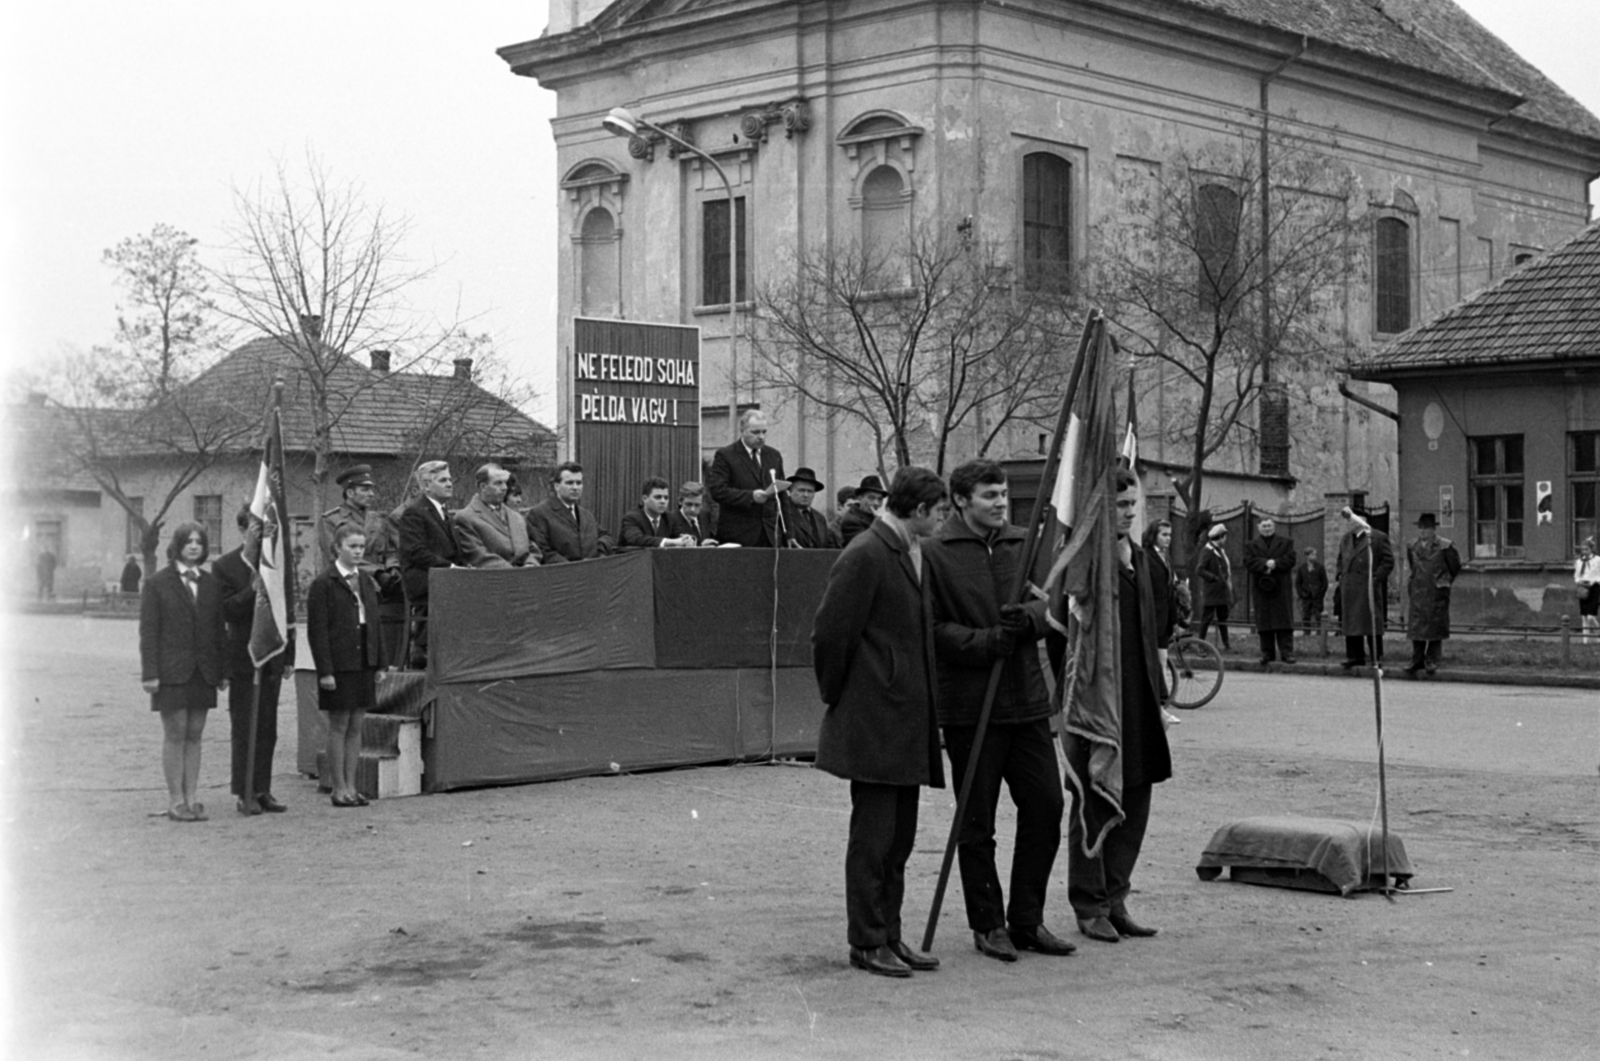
841 121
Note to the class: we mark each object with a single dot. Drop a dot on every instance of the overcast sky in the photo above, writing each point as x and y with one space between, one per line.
122 115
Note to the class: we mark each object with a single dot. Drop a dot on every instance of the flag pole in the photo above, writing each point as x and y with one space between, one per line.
1030 549
1377 707
255 692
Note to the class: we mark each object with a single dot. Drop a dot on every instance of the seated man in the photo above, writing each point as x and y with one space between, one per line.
648 526
806 527
489 532
690 519
844 502
869 498
561 528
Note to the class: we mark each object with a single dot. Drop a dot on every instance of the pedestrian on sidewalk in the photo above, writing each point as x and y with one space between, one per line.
1270 560
1433 564
1216 583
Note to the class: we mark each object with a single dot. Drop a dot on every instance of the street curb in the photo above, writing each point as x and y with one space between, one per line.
1445 674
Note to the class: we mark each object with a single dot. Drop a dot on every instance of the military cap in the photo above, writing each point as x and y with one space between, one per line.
356 475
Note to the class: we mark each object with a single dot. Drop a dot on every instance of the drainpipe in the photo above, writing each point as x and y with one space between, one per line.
1344 389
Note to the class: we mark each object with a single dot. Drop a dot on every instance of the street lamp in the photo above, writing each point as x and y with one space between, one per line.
624 123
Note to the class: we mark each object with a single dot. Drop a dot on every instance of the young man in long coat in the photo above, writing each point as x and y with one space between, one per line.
1270 560
972 565
1365 557
873 650
1433 564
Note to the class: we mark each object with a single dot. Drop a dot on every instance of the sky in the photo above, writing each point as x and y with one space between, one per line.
117 116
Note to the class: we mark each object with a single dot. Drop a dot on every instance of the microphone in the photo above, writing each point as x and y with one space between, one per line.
1350 514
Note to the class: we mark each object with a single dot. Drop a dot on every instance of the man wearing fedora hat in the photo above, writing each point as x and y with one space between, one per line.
863 509
807 528
1433 563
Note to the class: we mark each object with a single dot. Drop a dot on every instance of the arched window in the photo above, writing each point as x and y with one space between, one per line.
598 264
1216 238
883 210
1046 221
1392 275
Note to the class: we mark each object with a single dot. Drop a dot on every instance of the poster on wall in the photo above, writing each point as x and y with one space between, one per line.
635 409
1447 506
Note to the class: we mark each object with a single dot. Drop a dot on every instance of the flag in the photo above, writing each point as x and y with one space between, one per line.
1082 587
269 629
1130 453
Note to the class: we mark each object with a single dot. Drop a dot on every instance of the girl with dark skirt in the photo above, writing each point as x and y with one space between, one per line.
181 657
342 627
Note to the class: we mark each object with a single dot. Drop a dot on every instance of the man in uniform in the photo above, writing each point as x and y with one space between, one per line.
807 528
1433 564
746 481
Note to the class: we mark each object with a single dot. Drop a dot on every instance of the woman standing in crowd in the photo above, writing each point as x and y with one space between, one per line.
341 624
1586 573
1216 582
181 661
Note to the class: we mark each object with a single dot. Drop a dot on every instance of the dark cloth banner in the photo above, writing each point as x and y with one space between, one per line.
713 607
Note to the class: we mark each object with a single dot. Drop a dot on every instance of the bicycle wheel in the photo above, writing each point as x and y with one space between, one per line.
1194 672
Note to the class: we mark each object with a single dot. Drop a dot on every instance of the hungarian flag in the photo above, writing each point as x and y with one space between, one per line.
1130 453
1082 586
269 631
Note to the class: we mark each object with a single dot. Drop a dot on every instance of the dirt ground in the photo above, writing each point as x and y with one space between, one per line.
700 913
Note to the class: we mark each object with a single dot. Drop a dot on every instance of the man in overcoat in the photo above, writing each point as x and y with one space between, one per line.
236 577
1433 564
807 528
746 481
1269 559
972 563
864 505
1366 559
489 533
427 541
1311 586
873 650
561 527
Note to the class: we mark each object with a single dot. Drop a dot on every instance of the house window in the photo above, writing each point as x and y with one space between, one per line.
599 263
883 211
714 252
1216 239
132 542
1392 277
1497 496
1583 484
208 513
1046 221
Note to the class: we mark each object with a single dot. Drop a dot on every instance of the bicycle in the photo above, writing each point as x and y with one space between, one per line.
1194 672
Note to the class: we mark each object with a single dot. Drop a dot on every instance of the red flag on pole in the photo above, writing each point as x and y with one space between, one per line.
274 578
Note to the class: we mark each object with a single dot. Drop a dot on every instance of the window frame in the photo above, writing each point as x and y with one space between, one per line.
1400 286
714 248
1211 295
1037 270
1580 481
1506 486
212 524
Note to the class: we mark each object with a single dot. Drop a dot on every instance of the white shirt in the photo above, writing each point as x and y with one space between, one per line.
345 573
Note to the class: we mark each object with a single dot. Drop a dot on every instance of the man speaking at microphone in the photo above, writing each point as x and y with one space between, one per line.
747 483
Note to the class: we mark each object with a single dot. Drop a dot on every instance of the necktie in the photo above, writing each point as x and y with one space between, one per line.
574 510
192 578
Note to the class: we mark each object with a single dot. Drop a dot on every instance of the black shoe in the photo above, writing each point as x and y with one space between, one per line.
1288 659
271 804
1433 668
996 944
247 809
880 961
1040 939
915 960
1265 660
1412 668
1098 928
1352 664
1127 926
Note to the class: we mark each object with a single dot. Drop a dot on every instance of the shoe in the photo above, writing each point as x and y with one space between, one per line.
915 960
1351 664
181 814
880 961
1098 928
340 801
1265 660
199 812
248 809
1432 668
324 790
996 944
1127 926
1288 659
1040 939
361 801
271 804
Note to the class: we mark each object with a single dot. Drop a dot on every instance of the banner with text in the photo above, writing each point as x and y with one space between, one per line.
635 409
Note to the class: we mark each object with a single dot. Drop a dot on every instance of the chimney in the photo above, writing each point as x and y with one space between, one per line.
463 368
311 326
380 361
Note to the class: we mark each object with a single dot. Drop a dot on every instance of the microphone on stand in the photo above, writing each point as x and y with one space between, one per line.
1350 514
783 530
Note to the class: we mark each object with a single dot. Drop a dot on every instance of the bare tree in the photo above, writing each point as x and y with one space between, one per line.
321 272
167 323
926 344
1229 265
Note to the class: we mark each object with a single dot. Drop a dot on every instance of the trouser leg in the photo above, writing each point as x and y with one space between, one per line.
1433 651
239 694
1033 776
883 829
1285 644
267 728
975 846
1269 644
1355 648
1096 886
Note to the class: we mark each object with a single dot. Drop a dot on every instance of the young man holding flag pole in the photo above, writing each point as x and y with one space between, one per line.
271 633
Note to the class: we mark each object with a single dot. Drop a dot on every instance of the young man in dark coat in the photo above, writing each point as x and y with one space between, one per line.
237 578
1311 585
690 519
1269 558
972 565
872 645
746 481
650 525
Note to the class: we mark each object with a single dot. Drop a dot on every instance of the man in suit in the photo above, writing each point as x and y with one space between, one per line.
746 482
872 647
1311 586
972 560
426 542
563 529
1269 558
1364 555
690 518
863 510
236 576
488 532
649 526
807 528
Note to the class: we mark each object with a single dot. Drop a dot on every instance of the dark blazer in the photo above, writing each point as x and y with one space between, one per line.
180 634
872 647
1312 580
638 534
551 528
808 529
333 624
700 529
237 582
426 542
968 579
732 481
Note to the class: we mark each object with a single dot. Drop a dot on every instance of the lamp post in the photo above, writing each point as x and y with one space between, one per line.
623 122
